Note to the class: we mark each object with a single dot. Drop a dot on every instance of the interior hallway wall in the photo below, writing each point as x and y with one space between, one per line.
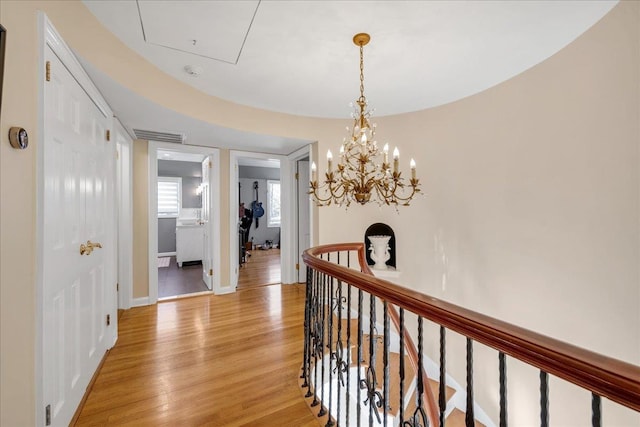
140 218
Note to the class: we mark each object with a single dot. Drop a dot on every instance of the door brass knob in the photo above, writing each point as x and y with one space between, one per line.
89 247
93 245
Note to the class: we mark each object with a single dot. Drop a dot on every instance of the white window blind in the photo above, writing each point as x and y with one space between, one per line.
273 203
169 197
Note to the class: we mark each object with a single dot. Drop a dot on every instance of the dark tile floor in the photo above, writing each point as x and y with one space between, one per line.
174 281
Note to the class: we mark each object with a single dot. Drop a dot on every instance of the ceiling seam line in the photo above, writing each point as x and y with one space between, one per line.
248 30
144 35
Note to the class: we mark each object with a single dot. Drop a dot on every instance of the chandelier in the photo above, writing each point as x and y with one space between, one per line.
359 175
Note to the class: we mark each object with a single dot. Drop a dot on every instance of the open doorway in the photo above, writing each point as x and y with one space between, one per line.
259 228
183 226
180 224
291 195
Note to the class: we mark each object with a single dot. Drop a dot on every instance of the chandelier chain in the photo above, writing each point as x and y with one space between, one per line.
362 98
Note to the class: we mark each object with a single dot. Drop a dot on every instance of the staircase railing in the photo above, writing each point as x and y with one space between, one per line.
338 279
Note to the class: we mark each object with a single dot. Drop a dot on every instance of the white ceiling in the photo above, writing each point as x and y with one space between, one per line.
297 56
137 112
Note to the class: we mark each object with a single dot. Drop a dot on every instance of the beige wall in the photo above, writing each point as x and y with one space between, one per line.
17 219
532 204
531 211
140 218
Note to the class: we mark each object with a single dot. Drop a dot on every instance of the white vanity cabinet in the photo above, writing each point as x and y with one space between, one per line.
189 243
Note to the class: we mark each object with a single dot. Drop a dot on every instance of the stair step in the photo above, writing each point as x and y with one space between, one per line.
456 419
435 389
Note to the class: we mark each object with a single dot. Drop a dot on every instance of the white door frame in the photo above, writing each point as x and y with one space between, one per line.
153 211
124 197
292 159
49 37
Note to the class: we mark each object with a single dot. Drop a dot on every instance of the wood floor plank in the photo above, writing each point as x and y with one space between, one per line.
262 268
219 360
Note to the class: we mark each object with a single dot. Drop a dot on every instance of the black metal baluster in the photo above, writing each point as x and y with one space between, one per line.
469 416
419 417
338 353
359 362
372 357
348 399
323 307
401 332
544 399
385 361
307 304
442 389
316 338
330 345
503 389
596 414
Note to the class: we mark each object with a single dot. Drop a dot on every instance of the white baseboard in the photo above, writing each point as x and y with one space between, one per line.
224 290
139 302
166 254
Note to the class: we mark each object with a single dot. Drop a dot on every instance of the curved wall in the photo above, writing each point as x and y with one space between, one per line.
532 205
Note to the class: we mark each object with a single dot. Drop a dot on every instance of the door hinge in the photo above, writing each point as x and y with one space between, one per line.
211 272
297 176
210 164
48 71
47 415
297 266
108 319
117 287
108 135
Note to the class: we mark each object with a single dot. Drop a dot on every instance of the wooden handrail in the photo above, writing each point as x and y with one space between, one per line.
611 378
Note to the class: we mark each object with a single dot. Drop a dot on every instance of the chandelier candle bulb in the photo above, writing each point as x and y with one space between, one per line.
385 150
329 160
313 171
396 159
412 165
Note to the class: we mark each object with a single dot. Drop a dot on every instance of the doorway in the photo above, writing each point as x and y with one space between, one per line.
289 242
180 224
259 235
184 251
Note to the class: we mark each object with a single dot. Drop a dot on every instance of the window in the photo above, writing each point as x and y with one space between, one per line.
273 203
169 197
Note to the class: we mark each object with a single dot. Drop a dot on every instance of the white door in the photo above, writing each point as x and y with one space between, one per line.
304 235
78 290
124 217
207 253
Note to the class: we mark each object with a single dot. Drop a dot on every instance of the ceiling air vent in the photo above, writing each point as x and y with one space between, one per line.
150 135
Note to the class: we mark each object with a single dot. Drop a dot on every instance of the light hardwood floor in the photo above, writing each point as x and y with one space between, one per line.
262 268
221 360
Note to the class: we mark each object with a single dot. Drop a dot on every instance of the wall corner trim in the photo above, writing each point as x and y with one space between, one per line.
140 302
